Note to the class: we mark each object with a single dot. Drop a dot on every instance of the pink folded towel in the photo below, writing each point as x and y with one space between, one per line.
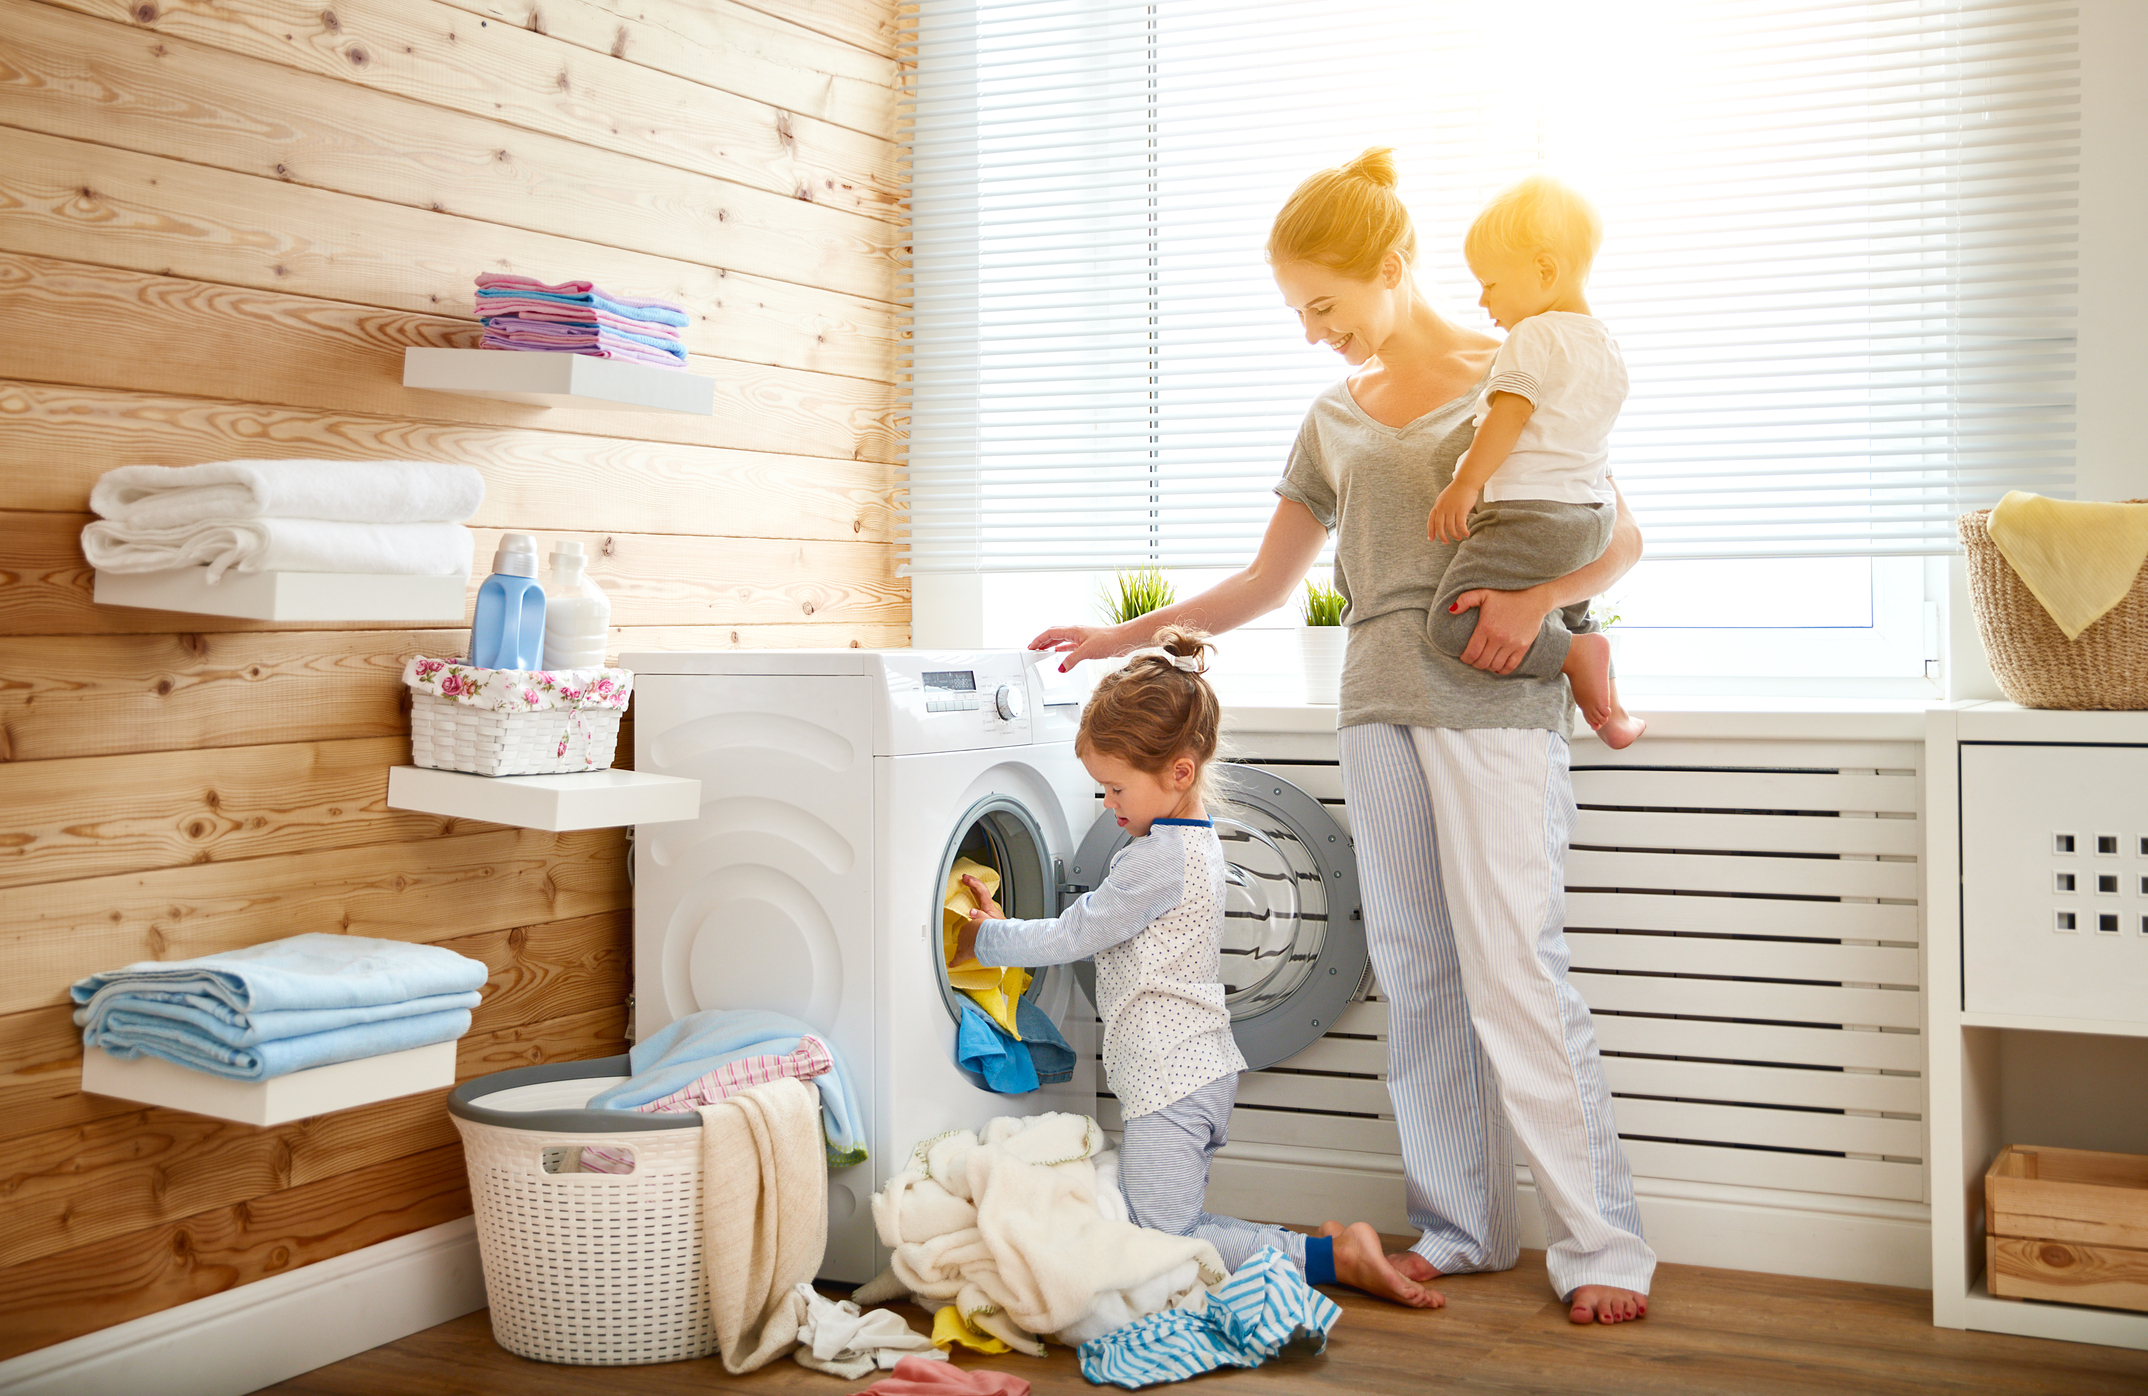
553 312
914 1376
499 281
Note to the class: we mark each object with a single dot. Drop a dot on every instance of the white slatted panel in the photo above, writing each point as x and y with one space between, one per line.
1744 924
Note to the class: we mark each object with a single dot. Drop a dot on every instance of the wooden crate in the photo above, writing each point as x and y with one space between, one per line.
2068 1225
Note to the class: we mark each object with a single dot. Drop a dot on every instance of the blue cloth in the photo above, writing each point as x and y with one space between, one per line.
214 1020
692 1047
1320 1260
162 1037
282 1006
651 314
984 1047
1048 1051
1262 1309
316 971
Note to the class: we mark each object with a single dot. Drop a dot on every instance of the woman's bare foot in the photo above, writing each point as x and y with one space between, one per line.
1409 1264
1606 1304
1361 1262
1588 670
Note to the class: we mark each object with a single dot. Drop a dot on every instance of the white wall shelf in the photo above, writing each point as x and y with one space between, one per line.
558 380
289 596
580 800
338 1086
1999 1075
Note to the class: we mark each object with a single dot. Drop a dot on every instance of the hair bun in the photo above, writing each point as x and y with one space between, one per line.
1184 642
1376 165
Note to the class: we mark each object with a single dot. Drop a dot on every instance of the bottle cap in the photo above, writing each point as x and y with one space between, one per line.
517 556
568 550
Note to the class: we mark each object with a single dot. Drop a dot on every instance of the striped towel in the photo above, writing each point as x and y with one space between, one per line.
809 1059
1264 1308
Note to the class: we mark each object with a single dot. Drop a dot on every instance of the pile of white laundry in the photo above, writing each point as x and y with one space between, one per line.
1023 1230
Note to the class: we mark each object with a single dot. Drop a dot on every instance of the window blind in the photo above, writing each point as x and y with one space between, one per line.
1839 254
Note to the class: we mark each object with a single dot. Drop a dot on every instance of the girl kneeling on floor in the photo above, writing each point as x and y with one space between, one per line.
1155 927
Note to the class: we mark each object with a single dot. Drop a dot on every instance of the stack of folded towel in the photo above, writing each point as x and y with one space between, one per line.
283 1006
400 518
575 317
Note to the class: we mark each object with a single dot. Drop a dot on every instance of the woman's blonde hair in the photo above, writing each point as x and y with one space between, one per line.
1151 712
1538 214
1346 219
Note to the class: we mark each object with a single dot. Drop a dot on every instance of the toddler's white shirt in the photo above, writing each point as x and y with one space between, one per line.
1569 368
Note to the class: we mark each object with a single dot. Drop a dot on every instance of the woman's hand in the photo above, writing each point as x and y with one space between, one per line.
1078 642
1450 514
1507 625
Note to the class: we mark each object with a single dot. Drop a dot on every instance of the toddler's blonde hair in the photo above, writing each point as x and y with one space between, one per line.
1346 219
1151 712
1538 214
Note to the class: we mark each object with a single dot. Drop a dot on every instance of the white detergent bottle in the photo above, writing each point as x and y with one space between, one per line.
577 613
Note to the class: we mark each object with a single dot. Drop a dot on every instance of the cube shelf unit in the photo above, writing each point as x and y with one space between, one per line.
2038 971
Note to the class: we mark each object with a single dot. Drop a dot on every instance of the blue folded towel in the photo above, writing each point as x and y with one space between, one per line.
161 1037
282 1006
1048 1051
650 314
693 1046
313 971
984 1047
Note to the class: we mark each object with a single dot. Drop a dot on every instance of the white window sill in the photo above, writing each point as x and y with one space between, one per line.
1693 718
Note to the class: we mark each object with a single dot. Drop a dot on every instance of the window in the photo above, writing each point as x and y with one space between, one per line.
1838 259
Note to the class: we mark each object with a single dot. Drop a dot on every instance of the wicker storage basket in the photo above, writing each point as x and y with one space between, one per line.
2036 665
593 1269
449 736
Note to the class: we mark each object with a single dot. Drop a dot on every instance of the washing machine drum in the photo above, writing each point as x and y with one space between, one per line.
1293 929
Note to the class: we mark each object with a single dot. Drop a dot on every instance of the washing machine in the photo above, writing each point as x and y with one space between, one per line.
839 787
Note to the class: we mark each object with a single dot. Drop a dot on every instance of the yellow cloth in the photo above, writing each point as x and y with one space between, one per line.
949 1328
2077 557
996 990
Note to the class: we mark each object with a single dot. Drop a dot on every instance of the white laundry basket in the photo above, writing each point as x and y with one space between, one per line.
594 1269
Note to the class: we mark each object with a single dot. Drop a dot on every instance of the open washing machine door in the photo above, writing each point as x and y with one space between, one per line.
1294 928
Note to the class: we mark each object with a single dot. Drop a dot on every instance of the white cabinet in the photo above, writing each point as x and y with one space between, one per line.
2054 850
2037 1024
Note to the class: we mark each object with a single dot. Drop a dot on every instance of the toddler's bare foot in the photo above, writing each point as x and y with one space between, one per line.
1409 1264
1361 1262
1606 1304
1588 670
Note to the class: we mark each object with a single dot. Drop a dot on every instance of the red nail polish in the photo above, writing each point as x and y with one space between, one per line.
1455 608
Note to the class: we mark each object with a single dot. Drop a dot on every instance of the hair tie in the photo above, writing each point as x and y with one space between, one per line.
1184 663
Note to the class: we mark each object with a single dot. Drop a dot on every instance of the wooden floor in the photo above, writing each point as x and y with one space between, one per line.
1710 1331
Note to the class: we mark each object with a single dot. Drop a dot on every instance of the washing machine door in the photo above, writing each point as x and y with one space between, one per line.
1293 928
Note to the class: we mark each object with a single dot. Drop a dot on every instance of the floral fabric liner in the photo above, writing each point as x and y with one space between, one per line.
519 690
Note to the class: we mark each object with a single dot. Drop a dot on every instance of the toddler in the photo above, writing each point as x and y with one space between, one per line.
1155 927
1539 460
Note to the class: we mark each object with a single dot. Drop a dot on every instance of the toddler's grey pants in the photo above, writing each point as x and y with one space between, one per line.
1163 1167
1514 544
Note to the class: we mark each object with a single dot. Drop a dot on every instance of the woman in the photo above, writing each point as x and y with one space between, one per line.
1456 778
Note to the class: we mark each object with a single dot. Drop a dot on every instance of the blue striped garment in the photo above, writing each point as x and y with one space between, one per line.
1264 1308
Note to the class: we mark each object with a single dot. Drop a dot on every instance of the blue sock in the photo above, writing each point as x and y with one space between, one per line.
1320 1260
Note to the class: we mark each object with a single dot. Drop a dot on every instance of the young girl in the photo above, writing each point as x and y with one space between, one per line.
1155 927
1539 460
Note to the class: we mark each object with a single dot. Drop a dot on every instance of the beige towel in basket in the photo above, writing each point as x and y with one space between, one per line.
764 1216
2078 557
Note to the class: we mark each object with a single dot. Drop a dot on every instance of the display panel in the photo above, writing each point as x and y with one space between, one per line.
953 680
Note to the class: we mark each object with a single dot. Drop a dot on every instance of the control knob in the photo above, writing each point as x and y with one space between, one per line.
1010 701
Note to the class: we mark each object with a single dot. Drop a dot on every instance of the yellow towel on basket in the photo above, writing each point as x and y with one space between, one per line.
996 990
2077 557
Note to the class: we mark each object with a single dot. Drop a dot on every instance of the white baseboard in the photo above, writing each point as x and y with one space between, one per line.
1867 1240
262 1333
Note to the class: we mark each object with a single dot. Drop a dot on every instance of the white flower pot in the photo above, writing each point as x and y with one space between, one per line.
1323 649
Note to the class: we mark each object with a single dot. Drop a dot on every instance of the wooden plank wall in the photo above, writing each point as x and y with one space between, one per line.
220 223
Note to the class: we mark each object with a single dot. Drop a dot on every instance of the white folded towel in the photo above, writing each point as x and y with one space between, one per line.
354 491
282 545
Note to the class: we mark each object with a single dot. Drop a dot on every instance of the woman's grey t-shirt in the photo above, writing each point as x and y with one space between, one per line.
1372 486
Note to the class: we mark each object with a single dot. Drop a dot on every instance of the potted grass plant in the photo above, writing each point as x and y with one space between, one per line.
1321 639
1135 592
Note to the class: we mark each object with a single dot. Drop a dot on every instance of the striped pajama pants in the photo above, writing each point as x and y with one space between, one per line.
1461 848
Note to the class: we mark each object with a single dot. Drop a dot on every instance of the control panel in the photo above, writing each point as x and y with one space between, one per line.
955 700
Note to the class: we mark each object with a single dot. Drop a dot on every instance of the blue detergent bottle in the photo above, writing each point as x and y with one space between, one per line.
508 632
